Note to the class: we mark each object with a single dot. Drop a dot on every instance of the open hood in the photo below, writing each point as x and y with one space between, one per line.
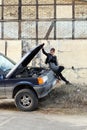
26 59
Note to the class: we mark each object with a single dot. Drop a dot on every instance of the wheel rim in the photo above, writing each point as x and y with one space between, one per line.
25 101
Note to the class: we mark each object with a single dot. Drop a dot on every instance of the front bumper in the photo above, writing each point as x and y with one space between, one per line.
43 90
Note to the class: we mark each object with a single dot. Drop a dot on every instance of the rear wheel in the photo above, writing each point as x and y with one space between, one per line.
26 100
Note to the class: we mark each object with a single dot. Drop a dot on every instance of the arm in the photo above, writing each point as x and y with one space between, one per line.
44 52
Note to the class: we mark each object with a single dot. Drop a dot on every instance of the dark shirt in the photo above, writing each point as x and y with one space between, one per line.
50 58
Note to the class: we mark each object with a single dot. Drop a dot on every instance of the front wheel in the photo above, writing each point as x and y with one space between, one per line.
26 100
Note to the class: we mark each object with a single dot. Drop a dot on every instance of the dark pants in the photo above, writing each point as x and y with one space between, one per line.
59 74
57 70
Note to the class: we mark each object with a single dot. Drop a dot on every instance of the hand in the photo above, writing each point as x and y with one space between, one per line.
43 45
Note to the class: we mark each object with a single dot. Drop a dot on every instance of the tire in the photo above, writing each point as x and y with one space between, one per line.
26 100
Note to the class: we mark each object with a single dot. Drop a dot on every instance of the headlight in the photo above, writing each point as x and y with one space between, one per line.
42 80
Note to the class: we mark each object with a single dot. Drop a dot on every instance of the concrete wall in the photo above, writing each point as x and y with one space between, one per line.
13 49
70 53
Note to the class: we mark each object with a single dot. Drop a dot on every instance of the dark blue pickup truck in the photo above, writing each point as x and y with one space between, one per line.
23 83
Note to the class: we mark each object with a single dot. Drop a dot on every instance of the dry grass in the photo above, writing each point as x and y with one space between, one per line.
66 99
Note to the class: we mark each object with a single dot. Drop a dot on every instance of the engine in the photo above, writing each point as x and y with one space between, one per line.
31 72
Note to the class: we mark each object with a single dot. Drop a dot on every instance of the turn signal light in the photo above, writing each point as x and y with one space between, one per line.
40 80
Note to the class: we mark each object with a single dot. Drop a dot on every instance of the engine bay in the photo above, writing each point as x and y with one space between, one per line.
31 72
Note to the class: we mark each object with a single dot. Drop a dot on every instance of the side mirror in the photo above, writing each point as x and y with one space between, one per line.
1 76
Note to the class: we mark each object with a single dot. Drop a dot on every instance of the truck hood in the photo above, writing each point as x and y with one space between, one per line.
26 59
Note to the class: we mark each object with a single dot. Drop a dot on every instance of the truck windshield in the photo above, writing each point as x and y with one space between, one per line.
5 63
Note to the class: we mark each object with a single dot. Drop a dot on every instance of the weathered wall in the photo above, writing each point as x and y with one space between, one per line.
70 53
14 49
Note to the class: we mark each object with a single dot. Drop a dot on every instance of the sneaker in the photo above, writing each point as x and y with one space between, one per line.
68 83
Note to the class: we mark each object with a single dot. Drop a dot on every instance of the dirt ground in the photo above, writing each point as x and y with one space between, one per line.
64 99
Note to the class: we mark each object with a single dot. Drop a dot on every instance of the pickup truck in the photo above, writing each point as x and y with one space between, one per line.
26 85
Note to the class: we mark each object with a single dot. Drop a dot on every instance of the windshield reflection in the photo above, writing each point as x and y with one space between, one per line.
5 63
